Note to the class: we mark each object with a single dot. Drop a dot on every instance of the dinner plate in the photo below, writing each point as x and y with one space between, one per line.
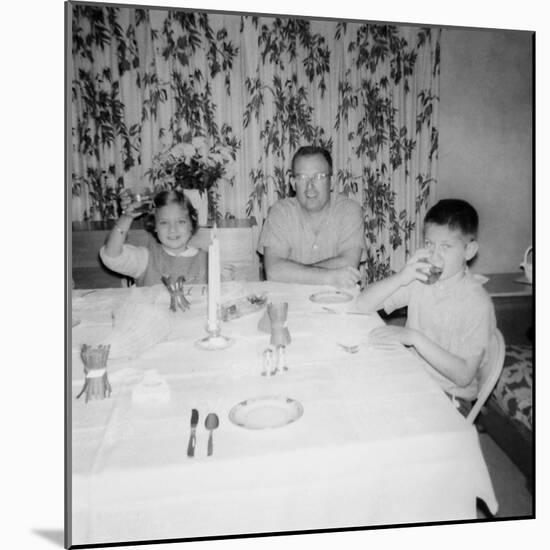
266 412
331 297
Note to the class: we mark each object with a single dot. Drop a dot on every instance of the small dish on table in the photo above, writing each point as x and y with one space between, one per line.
331 297
266 412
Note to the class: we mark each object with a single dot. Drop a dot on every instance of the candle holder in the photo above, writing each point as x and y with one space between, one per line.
96 384
215 339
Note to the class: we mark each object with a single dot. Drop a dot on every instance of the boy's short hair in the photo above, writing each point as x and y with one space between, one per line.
456 214
311 150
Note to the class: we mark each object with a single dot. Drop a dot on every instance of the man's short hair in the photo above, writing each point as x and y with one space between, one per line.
309 151
456 214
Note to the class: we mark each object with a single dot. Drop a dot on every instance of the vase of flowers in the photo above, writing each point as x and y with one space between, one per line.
195 164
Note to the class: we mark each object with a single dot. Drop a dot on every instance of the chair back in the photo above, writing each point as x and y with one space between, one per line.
489 375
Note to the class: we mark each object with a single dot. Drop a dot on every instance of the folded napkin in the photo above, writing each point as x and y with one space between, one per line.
274 321
140 323
232 290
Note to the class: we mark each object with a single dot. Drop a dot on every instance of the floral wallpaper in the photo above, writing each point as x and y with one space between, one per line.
225 100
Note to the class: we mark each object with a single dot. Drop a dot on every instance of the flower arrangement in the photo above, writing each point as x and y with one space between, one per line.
194 164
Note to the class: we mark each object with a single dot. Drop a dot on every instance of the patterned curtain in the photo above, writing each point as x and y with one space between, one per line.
144 80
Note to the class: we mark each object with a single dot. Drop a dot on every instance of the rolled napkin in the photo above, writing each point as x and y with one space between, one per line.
96 384
280 336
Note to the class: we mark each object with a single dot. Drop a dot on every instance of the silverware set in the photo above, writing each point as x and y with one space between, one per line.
211 423
350 349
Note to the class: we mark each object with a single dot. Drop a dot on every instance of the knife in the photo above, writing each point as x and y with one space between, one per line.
192 437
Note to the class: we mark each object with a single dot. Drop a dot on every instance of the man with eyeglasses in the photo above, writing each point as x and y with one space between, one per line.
313 238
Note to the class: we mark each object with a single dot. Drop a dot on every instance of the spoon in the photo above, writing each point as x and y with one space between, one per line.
211 423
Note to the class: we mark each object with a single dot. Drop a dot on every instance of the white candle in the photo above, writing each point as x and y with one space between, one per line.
214 291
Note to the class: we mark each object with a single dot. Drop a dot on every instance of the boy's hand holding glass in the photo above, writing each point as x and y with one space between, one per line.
417 267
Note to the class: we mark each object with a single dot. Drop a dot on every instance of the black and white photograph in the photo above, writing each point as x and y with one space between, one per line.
299 279
296 304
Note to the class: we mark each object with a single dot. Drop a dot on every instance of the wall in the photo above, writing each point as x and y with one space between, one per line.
485 134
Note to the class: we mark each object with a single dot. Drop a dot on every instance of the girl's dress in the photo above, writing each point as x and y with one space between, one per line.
147 264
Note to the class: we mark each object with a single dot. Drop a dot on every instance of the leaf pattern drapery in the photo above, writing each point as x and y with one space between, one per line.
142 78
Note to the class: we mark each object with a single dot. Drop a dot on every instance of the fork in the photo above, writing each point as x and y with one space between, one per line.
349 349
330 310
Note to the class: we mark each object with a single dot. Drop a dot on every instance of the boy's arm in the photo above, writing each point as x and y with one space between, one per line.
470 343
373 297
457 369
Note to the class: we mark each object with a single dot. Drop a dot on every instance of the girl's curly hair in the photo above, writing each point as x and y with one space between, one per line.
164 198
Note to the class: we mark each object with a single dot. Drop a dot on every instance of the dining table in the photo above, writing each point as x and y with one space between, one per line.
349 435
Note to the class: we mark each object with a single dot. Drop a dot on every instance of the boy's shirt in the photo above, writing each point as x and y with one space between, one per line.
457 314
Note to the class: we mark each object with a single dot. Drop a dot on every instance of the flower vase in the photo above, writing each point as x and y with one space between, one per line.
200 202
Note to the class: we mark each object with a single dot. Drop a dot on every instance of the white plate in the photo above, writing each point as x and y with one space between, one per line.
331 297
266 412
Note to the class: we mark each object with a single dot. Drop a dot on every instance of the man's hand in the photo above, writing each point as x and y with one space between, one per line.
344 276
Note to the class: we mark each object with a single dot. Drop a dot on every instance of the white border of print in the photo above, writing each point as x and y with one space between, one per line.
33 253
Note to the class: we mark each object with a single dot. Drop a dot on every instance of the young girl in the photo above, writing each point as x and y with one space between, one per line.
173 222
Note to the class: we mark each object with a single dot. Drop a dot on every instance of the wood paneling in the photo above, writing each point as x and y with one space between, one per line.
237 249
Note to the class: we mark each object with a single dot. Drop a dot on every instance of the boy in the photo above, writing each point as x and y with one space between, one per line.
449 322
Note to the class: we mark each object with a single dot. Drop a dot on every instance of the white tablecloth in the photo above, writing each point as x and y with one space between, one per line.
378 443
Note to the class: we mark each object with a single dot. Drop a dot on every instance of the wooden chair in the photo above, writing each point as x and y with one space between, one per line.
489 375
237 250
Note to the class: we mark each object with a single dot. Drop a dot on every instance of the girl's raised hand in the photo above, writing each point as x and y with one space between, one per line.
417 267
129 206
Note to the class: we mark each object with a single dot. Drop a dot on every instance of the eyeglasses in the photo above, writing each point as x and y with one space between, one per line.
306 178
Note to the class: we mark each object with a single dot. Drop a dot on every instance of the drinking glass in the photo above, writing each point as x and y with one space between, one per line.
145 197
434 273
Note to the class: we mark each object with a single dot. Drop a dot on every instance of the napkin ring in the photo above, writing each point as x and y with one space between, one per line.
96 383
